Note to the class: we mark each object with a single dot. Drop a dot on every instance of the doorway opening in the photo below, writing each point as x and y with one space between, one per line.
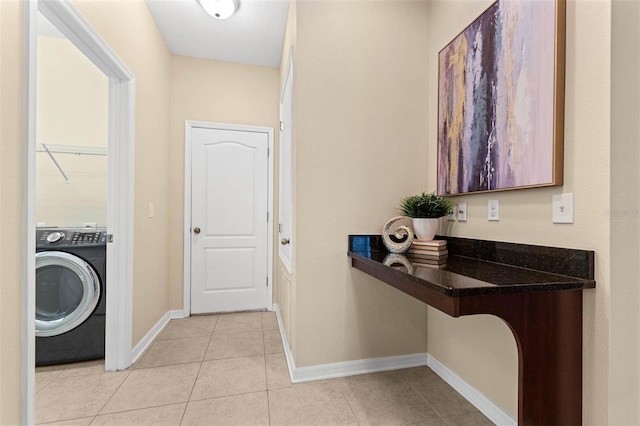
66 19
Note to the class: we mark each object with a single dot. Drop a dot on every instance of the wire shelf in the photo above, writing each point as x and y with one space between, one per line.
71 149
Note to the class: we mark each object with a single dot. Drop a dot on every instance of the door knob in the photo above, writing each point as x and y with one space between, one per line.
284 241
196 230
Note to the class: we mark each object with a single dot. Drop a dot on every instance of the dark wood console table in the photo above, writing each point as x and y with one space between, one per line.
536 290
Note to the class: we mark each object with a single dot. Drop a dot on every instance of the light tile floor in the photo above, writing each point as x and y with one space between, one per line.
231 370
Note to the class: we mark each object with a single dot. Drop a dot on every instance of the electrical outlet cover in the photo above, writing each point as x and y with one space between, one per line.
462 212
452 214
493 210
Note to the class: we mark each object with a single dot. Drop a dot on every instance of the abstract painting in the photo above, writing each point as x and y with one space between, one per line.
501 100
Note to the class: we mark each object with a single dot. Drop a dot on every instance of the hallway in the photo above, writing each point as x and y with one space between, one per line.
231 370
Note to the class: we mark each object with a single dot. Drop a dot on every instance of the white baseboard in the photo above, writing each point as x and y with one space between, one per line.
481 402
144 343
355 367
373 365
346 368
285 342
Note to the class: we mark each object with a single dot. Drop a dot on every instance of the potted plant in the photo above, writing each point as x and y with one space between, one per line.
425 210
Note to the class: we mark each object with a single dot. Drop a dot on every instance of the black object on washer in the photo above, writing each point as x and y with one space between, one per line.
70 294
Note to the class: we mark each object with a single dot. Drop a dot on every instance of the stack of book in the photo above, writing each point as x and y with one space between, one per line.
431 254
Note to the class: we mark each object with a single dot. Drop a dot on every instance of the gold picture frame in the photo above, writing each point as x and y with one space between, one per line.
501 100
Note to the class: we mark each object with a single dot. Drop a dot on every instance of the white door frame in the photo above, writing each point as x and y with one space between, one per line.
287 262
118 346
189 125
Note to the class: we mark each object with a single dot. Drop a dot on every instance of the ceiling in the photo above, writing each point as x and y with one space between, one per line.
253 35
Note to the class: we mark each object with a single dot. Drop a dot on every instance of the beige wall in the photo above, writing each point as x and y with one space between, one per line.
11 194
365 136
130 31
72 109
360 145
213 91
624 389
481 350
336 99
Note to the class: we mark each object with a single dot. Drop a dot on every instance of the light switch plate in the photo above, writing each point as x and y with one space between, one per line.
462 212
562 205
451 217
493 210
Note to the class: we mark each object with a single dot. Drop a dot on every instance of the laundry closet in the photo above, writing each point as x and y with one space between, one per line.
71 136
71 201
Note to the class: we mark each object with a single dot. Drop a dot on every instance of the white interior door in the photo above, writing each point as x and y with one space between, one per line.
229 220
285 227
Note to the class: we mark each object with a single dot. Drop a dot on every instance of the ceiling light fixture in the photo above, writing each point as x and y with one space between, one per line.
219 9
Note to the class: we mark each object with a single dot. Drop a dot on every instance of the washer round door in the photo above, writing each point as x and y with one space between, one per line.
67 292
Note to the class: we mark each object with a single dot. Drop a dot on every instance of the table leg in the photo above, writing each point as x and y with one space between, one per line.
547 327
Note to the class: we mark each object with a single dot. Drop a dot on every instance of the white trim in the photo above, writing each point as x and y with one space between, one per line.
148 338
345 368
186 269
287 262
29 224
355 367
289 72
73 25
270 212
66 18
120 223
186 223
285 342
480 401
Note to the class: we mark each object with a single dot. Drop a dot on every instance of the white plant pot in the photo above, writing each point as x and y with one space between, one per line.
425 228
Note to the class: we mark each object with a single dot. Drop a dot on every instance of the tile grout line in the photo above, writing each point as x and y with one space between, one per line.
437 411
199 369
130 410
206 351
266 373
112 394
413 388
66 420
344 396
266 378
139 408
264 349
49 383
200 366
186 405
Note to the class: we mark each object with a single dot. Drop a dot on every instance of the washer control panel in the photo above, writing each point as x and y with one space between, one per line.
70 237
86 237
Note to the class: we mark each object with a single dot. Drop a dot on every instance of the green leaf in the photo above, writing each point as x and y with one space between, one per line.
426 205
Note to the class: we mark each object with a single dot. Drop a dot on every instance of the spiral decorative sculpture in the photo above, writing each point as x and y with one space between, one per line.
398 259
402 233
